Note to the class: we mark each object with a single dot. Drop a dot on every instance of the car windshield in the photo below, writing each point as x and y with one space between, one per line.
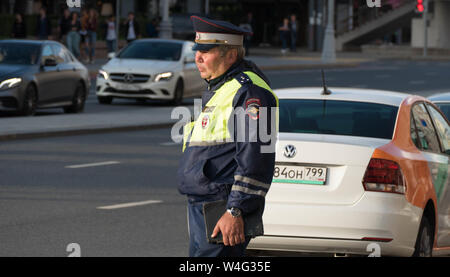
445 108
16 53
166 51
337 117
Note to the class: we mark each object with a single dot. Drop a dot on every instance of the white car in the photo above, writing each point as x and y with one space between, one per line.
151 69
358 171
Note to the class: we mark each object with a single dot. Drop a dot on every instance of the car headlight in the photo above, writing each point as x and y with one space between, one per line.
163 76
10 83
103 74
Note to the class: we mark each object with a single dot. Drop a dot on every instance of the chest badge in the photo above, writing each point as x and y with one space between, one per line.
205 121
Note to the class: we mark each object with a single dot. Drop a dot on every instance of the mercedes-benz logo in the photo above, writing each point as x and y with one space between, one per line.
290 151
128 78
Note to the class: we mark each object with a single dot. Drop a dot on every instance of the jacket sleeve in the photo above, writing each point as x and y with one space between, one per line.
255 167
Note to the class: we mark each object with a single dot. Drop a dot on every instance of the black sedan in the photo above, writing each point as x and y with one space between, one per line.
41 74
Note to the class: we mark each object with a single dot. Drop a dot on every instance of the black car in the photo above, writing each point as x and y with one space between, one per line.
41 74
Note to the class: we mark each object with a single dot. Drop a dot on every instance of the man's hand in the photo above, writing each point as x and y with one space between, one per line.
232 229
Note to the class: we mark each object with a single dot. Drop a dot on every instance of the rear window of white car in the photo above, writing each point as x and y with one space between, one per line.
337 117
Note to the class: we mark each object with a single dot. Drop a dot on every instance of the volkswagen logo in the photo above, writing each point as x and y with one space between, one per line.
290 151
128 78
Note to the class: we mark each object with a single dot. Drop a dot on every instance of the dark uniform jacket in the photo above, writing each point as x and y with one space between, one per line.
237 171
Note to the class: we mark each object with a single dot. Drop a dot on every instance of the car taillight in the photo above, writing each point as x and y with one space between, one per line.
384 176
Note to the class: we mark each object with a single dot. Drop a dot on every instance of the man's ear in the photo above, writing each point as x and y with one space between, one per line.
232 55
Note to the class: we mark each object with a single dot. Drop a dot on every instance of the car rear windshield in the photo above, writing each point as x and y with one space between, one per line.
16 53
165 51
337 117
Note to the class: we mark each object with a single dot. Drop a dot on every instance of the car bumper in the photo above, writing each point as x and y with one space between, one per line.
149 90
10 99
387 220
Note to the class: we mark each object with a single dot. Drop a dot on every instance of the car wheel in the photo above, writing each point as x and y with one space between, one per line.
104 99
424 243
29 104
78 100
178 94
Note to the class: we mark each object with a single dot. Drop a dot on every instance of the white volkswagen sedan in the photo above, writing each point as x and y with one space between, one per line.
360 172
151 69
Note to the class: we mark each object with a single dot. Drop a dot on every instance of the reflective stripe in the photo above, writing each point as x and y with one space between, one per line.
248 191
251 181
187 129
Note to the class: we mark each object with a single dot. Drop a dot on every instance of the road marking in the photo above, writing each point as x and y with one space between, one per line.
92 164
170 143
417 82
128 205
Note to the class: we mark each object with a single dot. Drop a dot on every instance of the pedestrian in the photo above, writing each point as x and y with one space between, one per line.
247 37
215 165
152 31
73 37
64 26
19 29
84 48
284 34
92 34
44 28
131 28
110 31
293 32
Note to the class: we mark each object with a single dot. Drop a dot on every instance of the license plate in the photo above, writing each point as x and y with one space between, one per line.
128 87
300 174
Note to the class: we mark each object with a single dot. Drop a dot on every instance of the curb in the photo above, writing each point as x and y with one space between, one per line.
74 132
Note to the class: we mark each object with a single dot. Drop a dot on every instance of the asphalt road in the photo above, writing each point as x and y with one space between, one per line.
53 189
47 201
417 77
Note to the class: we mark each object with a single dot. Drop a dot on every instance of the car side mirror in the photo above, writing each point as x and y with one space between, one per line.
111 55
188 59
50 62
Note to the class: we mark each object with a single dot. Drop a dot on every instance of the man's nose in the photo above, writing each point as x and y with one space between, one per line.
198 57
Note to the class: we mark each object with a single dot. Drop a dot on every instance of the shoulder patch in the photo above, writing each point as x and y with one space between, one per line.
243 78
252 106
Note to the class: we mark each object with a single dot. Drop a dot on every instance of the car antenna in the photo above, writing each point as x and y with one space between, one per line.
325 91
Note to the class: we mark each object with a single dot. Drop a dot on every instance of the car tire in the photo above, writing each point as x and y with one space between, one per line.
424 242
178 93
29 103
78 100
104 99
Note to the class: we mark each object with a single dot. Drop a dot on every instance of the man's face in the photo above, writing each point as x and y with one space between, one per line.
210 63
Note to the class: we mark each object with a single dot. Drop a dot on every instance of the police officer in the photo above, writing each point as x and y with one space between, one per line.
215 165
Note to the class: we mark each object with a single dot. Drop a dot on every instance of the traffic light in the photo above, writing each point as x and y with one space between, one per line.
419 6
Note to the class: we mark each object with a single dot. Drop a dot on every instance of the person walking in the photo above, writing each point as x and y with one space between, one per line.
131 28
92 34
84 47
284 34
110 31
19 29
73 37
248 37
293 32
220 162
43 27
64 26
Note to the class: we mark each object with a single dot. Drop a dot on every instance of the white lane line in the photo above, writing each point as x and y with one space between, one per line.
128 205
171 143
92 164
417 82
